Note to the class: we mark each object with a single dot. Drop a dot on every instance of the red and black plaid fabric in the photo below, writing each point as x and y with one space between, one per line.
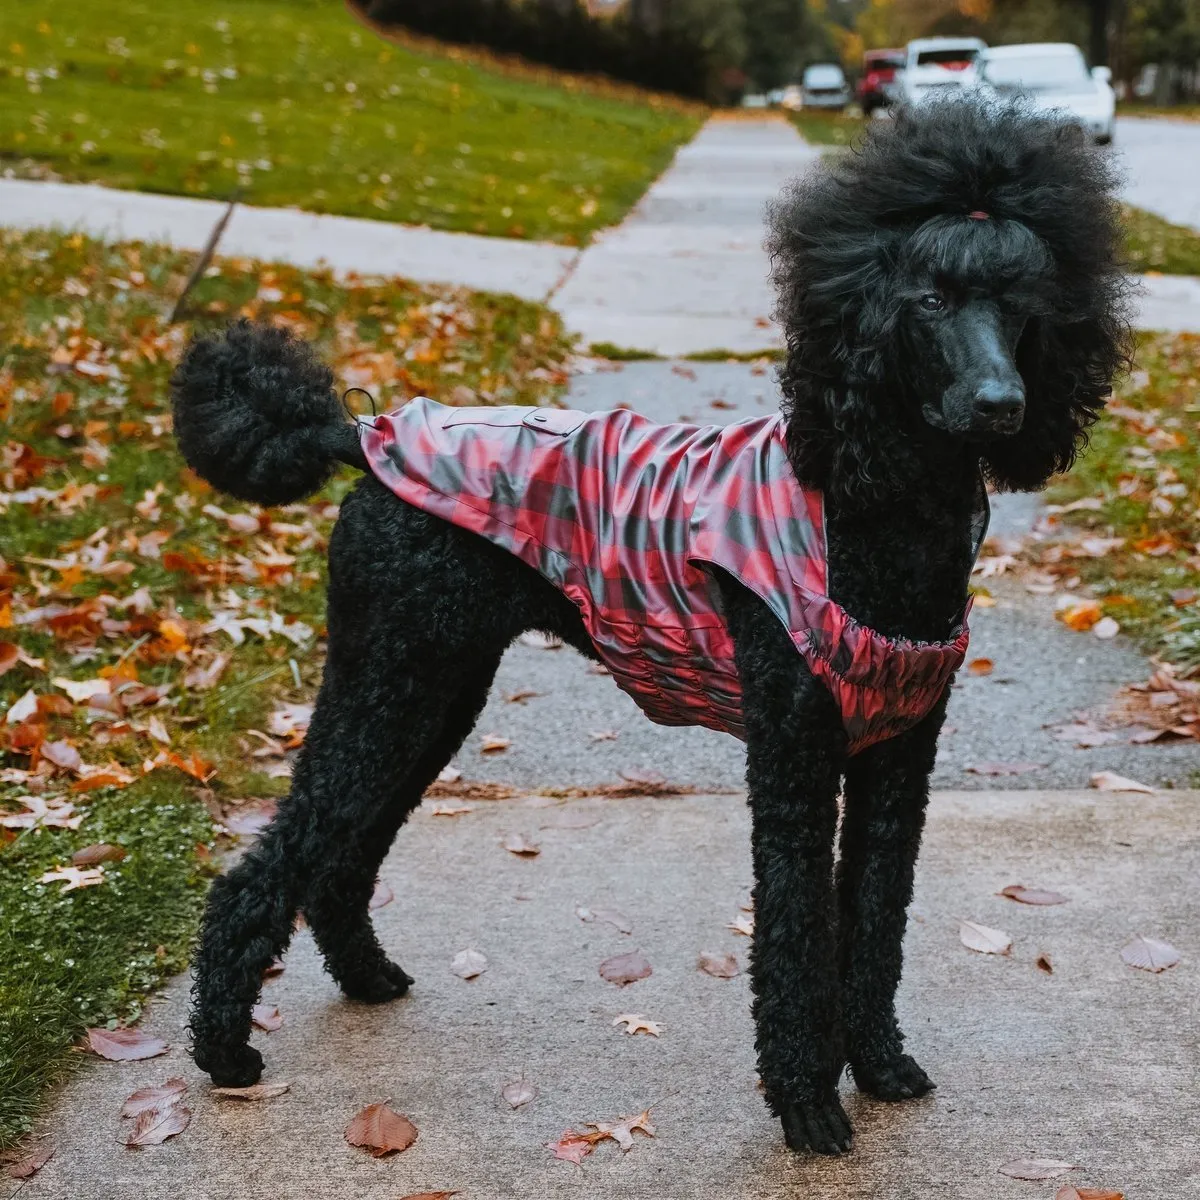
626 517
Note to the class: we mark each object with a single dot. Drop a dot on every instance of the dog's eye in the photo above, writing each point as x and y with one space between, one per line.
932 302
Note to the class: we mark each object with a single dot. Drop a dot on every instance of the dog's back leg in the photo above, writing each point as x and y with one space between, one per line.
338 893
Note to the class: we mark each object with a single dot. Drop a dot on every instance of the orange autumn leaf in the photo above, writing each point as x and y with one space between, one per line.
1081 615
193 765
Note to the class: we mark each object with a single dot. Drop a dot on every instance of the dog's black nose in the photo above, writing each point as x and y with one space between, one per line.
1000 405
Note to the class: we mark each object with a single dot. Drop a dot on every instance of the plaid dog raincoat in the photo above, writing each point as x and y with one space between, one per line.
626 517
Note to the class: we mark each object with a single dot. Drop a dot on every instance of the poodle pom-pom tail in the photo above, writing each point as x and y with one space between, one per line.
256 415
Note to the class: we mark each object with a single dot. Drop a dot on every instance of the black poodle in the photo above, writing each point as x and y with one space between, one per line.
954 307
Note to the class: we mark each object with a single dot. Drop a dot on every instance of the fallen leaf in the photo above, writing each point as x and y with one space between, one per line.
382 895
22 709
623 969
981 666
379 1130
163 1096
61 754
31 1164
636 1023
719 966
155 1125
1068 1192
450 810
93 856
249 820
267 1017
74 878
521 696
1080 615
1026 895
1044 963
743 925
611 916
1036 1168
572 1147
253 1093
430 1195
621 1131
158 731
1106 628
1110 781
1149 954
604 735
519 844
10 655
982 939
81 691
493 744
125 1045
999 768
519 1092
469 963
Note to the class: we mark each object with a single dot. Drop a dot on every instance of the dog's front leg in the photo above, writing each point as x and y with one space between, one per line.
887 789
795 752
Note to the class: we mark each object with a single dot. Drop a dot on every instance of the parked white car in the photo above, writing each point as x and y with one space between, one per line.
1054 77
936 66
824 86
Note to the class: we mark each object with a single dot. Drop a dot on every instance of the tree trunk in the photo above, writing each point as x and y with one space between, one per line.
1100 12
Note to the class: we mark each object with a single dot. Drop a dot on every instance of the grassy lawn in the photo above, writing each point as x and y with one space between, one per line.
296 103
124 576
1140 482
827 128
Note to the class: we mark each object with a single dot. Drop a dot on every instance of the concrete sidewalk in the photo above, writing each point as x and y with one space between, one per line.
1095 1064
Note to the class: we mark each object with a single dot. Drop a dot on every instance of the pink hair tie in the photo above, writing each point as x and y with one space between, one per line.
978 215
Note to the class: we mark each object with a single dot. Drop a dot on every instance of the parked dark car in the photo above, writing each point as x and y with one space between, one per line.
878 75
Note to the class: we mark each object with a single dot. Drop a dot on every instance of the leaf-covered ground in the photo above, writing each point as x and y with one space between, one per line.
1128 521
295 103
158 643
1151 243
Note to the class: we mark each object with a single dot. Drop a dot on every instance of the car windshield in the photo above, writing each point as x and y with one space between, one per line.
952 56
823 77
1037 73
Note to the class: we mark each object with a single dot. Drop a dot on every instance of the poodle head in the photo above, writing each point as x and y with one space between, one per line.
951 288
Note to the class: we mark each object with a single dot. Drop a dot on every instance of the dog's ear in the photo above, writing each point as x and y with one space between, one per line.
1067 367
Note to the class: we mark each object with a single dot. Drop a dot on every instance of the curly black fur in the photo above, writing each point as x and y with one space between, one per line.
839 240
918 337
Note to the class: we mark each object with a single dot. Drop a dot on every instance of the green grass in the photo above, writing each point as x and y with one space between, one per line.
70 307
296 103
1143 465
827 128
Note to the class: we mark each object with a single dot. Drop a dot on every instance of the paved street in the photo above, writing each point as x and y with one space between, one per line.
1161 160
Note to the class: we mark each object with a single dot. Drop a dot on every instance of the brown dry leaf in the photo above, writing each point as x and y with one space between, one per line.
382 895
267 1017
604 735
469 963
94 855
626 968
611 916
719 966
493 743
980 666
171 1092
430 1195
521 696
519 1092
9 656
519 844
155 1125
73 877
450 810
379 1130
982 939
61 754
1026 895
621 1131
1110 781
253 1093
743 924
1149 954
636 1023
1080 615
31 1164
466 789
125 1045
1070 1192
573 1147
999 768
1036 1168
1044 963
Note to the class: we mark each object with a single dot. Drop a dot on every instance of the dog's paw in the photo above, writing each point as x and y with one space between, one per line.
821 1127
898 1079
229 1066
388 982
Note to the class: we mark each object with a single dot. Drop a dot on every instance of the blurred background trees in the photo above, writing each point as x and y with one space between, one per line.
716 49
